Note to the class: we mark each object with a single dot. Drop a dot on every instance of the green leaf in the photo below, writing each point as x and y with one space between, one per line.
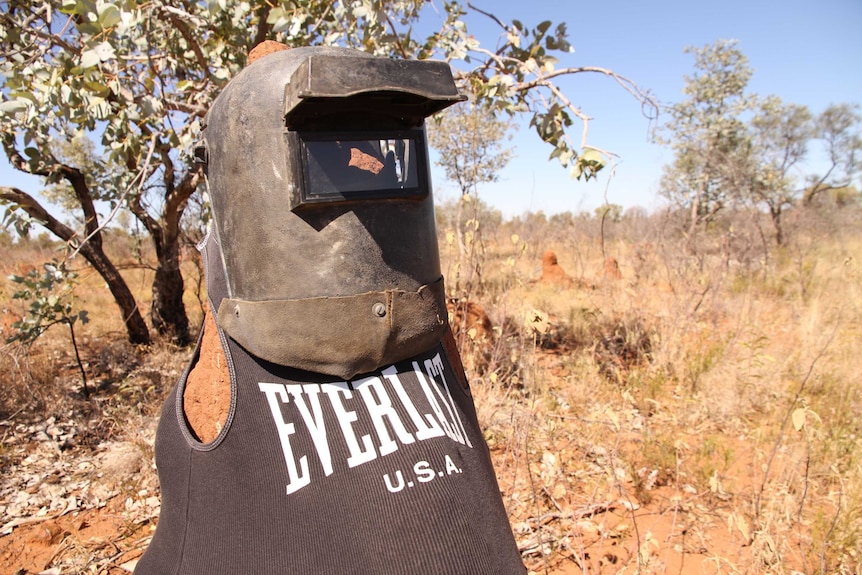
109 16
99 53
593 155
12 106
97 88
81 7
89 29
68 6
89 59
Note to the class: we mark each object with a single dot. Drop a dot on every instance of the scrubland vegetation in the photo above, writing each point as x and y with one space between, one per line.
698 412
680 395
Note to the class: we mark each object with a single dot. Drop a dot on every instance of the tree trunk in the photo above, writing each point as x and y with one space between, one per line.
775 212
168 312
134 321
695 215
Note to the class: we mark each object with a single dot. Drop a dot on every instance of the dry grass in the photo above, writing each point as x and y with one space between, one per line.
700 415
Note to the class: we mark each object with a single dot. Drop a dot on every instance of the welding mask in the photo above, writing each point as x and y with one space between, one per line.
318 175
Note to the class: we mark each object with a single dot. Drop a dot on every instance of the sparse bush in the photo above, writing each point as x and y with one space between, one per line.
654 420
48 302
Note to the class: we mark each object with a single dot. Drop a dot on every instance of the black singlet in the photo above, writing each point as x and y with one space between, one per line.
385 474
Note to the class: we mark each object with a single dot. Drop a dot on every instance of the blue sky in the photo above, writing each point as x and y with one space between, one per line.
804 52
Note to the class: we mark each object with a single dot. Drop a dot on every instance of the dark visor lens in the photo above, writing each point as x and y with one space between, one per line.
352 167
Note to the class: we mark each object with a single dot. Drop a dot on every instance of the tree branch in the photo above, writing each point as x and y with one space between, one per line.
489 15
190 109
396 35
175 201
140 212
627 84
72 175
585 120
320 20
263 28
542 79
53 39
82 191
179 24
35 210
143 176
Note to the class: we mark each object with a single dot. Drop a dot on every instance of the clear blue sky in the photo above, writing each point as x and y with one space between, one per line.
804 52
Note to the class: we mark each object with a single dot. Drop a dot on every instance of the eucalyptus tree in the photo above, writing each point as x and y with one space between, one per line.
470 142
839 130
137 77
707 132
781 134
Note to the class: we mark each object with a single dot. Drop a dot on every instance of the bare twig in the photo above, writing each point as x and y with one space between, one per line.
540 527
787 417
580 513
832 525
320 20
396 35
489 15
121 200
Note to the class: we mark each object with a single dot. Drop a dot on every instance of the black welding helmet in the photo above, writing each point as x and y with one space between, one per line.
317 168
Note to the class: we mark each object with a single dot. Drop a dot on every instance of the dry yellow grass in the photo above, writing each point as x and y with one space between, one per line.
733 447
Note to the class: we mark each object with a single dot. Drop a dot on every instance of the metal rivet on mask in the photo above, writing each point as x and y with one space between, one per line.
379 309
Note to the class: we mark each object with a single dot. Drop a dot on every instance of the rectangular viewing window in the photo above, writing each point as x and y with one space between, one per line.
362 166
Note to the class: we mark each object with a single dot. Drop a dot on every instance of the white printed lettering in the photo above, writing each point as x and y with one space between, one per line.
389 486
380 409
426 427
423 471
434 367
451 467
345 418
385 403
297 480
435 405
313 419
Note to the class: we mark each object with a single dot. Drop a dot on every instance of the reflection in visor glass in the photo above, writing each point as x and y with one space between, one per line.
347 167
